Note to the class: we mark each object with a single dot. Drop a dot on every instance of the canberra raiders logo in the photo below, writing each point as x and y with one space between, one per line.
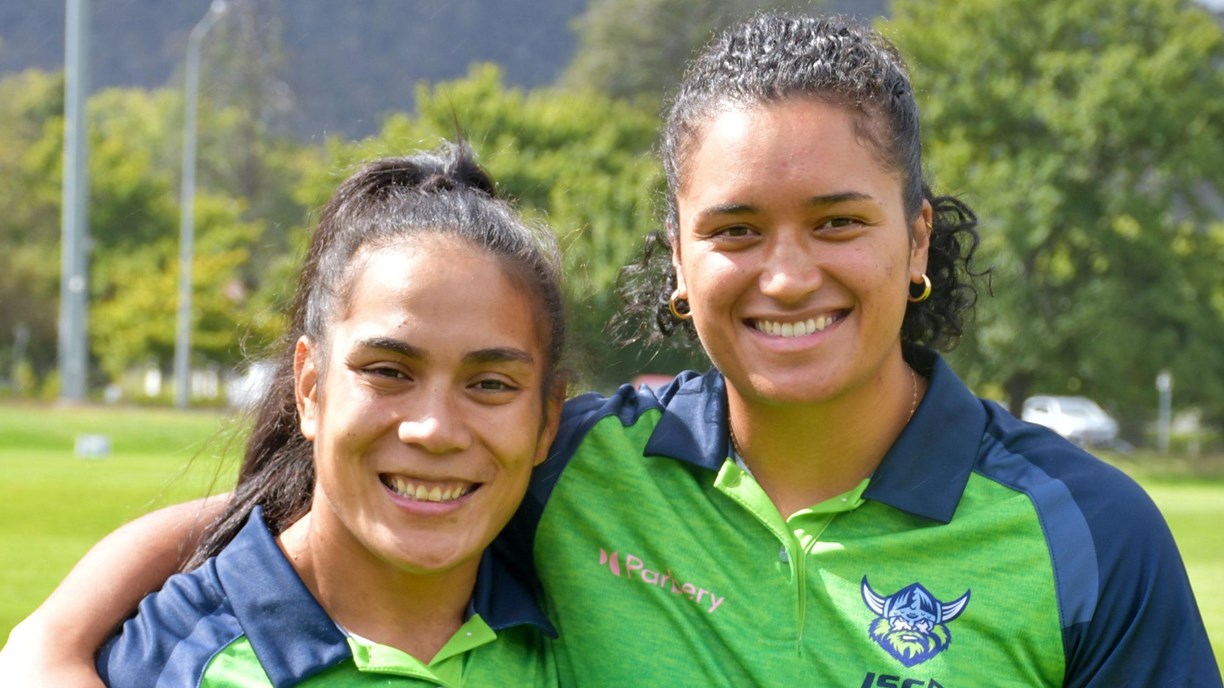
911 624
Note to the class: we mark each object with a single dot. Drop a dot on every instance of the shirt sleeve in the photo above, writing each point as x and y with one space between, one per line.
1146 629
172 637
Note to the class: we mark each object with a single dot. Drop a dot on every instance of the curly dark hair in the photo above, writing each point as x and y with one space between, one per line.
773 57
442 192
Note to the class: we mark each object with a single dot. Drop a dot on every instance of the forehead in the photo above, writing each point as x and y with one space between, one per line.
798 145
441 292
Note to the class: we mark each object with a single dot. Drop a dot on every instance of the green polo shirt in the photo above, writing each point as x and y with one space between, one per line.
469 658
244 618
982 552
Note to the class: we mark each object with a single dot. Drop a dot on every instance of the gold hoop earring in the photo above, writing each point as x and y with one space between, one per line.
926 291
679 307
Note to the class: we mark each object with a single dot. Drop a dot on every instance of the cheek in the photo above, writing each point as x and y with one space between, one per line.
510 487
712 277
717 286
512 435
518 469
884 276
348 431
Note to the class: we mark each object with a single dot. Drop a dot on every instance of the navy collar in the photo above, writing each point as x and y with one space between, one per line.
506 597
924 473
293 636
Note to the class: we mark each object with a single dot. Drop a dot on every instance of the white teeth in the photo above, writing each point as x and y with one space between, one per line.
427 493
797 329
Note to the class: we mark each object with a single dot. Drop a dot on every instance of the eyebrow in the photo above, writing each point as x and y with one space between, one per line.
816 201
496 354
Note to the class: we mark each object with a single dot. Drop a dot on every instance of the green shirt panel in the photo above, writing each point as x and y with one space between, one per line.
659 572
475 656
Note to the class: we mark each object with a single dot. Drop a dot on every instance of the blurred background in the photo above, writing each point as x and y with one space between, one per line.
1087 134
140 137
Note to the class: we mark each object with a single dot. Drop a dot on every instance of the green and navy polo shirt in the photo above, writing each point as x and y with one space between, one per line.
984 551
244 618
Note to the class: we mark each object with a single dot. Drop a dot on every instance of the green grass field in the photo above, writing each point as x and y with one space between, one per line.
53 506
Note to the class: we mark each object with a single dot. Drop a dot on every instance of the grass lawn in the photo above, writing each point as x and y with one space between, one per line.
53 506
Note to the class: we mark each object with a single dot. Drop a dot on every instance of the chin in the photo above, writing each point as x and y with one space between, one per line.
426 564
790 391
419 554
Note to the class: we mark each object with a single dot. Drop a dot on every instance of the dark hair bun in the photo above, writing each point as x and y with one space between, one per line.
450 168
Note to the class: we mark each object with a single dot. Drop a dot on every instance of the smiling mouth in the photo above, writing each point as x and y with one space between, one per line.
427 492
794 329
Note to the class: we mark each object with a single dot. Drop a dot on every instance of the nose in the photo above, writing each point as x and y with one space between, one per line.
791 270
435 423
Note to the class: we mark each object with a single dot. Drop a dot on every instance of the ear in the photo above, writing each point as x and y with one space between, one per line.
306 387
920 242
675 258
552 422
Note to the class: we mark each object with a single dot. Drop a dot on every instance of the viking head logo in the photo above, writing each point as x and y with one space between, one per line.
911 624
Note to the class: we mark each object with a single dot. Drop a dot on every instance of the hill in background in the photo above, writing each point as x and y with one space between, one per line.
343 64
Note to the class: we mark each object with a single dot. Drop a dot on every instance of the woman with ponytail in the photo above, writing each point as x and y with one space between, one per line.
414 393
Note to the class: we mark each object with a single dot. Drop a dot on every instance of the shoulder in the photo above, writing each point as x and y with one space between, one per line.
1128 612
1080 499
628 405
626 420
174 634
1062 477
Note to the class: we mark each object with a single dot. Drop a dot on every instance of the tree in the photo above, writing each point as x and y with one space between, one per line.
1088 136
246 152
637 49
31 105
134 218
577 160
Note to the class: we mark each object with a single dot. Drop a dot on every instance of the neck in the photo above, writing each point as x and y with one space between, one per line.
370 597
804 454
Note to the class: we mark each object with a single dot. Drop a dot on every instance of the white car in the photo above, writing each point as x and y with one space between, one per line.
1079 419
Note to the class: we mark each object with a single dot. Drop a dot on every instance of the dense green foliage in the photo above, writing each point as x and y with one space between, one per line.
1089 137
575 160
134 153
31 107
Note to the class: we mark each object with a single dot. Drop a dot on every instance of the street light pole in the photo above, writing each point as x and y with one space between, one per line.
74 229
1164 385
182 339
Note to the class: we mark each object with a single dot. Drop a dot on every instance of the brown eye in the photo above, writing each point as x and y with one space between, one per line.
494 391
735 231
840 227
839 222
493 386
387 372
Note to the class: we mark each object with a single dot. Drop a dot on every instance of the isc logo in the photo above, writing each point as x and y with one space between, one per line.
886 681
